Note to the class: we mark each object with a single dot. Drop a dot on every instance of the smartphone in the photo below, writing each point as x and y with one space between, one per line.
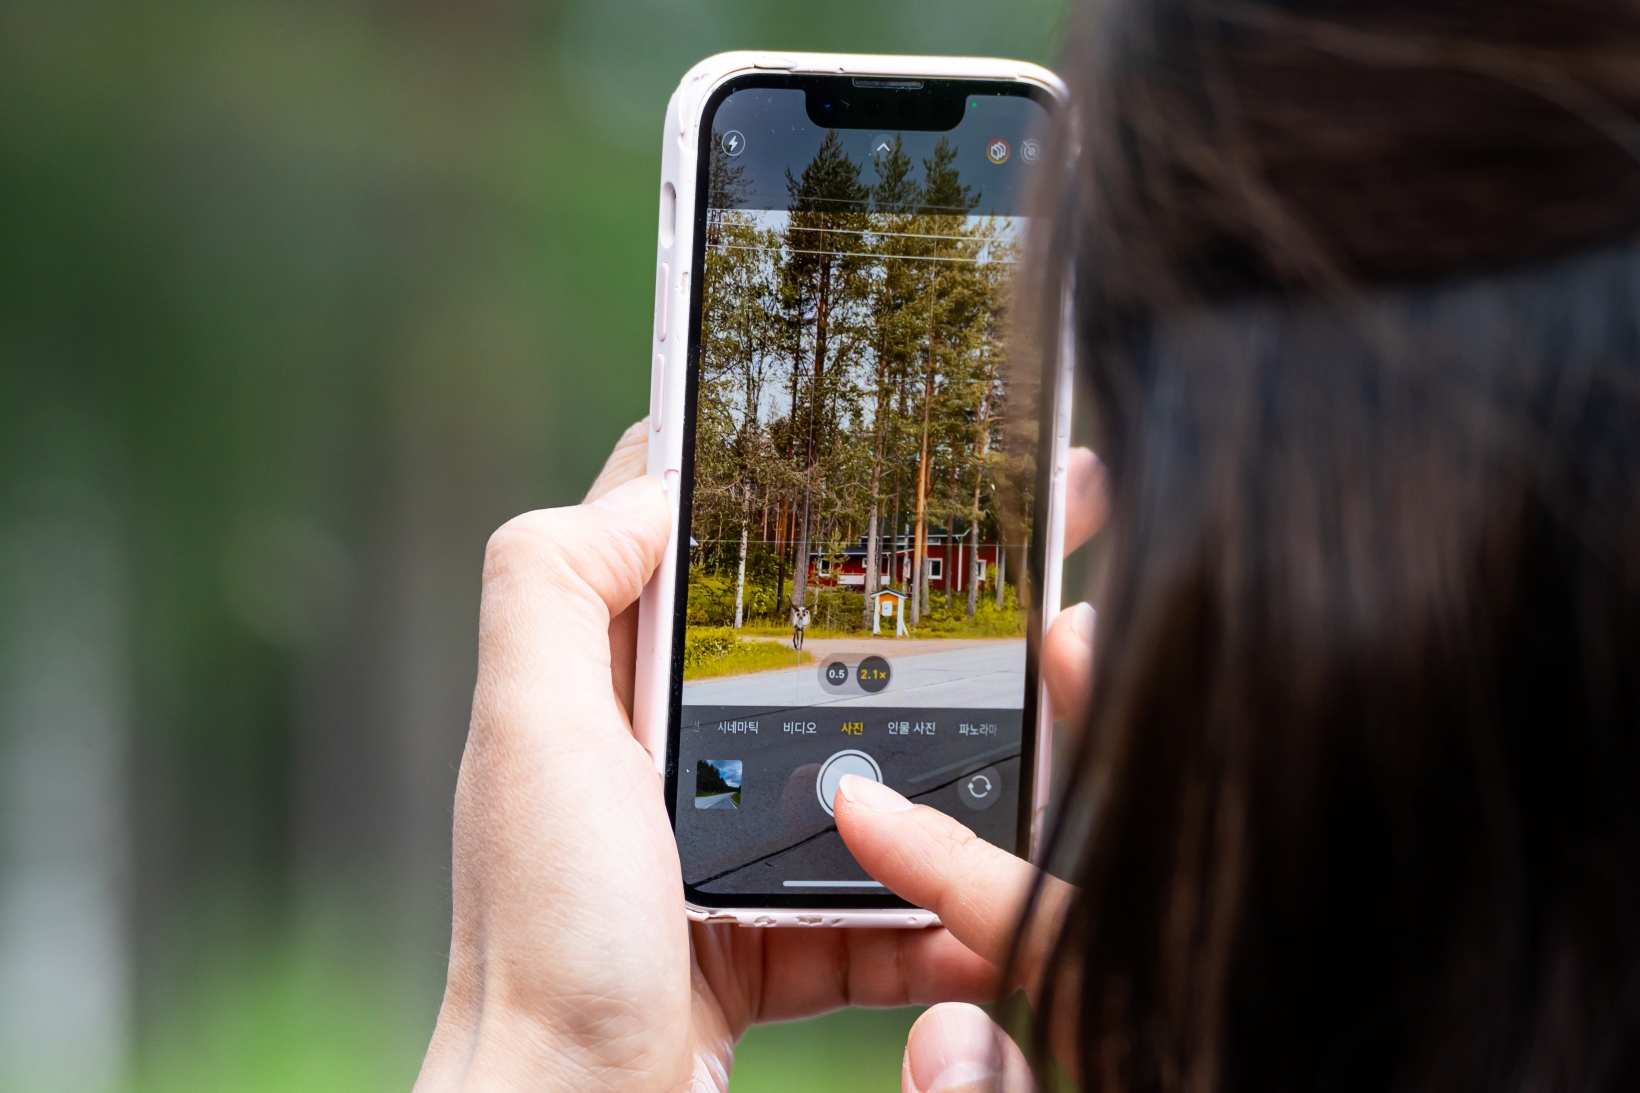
831 415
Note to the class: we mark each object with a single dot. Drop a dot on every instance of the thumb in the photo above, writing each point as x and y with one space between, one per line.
553 578
956 1048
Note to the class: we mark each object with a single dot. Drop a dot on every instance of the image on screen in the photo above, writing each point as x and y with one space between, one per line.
853 603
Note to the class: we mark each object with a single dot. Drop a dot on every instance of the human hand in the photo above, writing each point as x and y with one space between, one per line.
1067 648
980 893
978 890
572 964
571 960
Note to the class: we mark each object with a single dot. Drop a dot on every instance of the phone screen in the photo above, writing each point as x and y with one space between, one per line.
851 598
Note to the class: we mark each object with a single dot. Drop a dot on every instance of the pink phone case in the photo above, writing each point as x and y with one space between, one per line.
666 403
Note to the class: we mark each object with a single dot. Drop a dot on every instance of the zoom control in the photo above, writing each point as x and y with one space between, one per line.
844 674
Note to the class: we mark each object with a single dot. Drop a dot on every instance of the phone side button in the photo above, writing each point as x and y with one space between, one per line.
657 392
663 282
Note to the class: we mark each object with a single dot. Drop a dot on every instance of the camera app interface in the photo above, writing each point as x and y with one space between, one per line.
853 597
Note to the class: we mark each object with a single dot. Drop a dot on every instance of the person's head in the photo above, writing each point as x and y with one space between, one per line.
1357 302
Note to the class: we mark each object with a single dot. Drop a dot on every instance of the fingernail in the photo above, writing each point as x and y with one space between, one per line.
869 794
629 495
953 1045
1082 622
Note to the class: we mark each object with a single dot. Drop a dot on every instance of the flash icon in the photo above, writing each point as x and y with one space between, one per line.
733 143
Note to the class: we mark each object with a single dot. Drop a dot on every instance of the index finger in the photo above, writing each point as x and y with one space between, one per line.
978 890
629 459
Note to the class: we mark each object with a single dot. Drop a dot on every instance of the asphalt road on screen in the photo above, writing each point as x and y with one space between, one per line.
982 676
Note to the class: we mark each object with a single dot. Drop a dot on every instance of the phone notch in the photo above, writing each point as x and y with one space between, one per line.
926 106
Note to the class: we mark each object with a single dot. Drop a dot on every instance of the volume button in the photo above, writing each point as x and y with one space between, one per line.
657 392
663 278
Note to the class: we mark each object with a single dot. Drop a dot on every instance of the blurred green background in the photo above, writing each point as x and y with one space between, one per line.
298 301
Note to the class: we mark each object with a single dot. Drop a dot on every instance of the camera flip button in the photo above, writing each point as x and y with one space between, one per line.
980 789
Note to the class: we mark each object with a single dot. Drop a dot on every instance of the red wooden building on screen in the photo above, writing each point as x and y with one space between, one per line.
947 564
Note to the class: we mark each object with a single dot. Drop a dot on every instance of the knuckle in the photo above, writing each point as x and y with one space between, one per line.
512 544
530 542
968 854
968 864
566 550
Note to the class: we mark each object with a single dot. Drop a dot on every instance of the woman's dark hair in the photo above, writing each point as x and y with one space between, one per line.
1357 302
